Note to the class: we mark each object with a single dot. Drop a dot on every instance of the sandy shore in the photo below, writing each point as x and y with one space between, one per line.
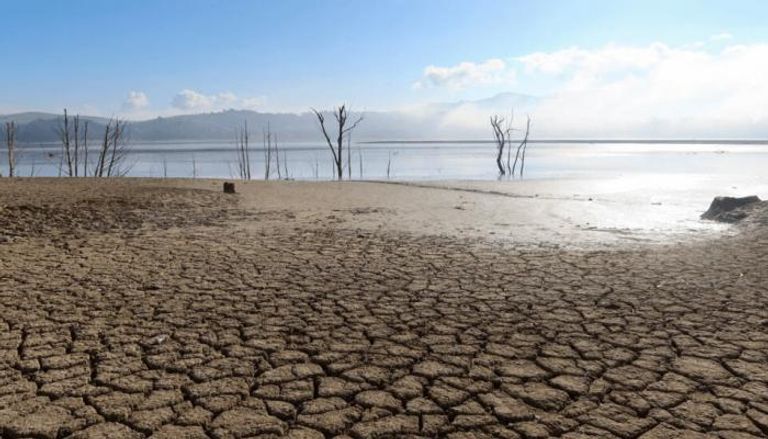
166 309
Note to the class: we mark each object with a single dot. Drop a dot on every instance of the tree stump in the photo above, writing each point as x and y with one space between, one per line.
229 187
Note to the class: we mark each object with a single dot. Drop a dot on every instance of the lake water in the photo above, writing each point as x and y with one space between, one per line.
424 161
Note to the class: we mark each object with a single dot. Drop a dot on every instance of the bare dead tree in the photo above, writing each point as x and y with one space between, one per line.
64 137
349 156
389 164
285 165
243 153
85 148
118 151
345 129
76 149
360 160
103 151
525 146
73 135
113 151
10 143
277 157
247 150
267 152
501 132
520 153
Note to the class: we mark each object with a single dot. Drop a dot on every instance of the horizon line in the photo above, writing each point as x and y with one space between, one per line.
587 140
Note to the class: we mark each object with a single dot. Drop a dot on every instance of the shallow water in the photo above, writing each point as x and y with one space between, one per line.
425 161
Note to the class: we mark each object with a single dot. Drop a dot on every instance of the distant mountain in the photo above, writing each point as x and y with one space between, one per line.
436 121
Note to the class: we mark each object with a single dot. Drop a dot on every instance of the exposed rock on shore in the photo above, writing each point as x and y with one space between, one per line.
733 210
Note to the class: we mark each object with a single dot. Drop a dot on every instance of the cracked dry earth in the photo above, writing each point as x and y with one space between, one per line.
129 310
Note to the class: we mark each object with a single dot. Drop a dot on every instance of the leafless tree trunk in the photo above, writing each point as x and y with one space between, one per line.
389 164
243 153
119 150
79 152
64 136
75 152
360 160
267 152
349 156
103 150
344 129
277 157
113 151
74 144
85 149
524 145
501 134
520 153
10 143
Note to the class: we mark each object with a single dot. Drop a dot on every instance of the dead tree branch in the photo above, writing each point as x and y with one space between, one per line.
66 150
243 153
10 143
524 145
345 129
501 134
113 151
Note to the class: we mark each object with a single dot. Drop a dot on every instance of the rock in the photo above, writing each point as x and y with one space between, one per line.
229 187
725 209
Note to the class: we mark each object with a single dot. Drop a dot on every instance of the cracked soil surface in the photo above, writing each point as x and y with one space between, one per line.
133 309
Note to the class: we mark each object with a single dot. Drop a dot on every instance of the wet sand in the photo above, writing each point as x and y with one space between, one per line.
167 309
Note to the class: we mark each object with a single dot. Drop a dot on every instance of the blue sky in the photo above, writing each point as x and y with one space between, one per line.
147 58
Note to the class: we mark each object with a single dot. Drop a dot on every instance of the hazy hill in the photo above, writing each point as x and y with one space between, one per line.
436 121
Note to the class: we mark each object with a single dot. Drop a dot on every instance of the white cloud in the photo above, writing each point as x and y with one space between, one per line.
467 74
722 36
253 103
192 100
654 90
136 100
611 58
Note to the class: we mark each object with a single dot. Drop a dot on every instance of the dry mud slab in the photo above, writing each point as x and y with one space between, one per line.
131 310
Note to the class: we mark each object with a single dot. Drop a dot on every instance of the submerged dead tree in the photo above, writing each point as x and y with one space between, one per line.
66 150
113 150
243 153
267 152
344 129
10 143
501 133
521 148
272 154
73 135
